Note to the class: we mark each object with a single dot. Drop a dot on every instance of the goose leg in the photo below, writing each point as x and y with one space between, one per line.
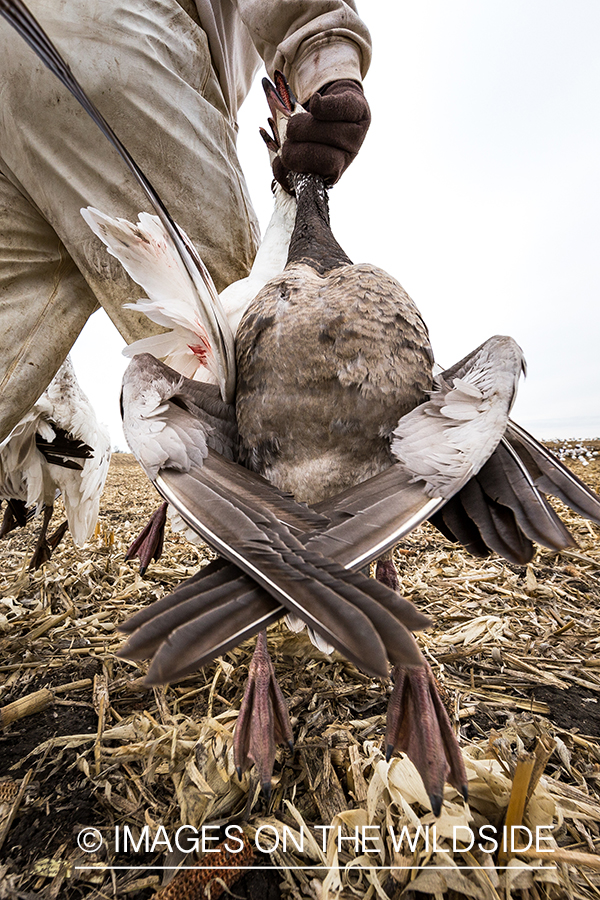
418 724
15 516
55 539
149 543
385 570
43 550
263 721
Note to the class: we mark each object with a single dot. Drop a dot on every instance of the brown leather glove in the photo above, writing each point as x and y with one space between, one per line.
324 140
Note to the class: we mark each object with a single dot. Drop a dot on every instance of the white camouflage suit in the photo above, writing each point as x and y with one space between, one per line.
169 77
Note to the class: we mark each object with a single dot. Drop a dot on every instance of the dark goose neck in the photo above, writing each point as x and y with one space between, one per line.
312 240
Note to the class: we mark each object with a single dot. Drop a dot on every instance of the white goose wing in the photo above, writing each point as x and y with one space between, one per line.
477 476
21 463
439 446
81 488
148 254
213 318
446 440
58 446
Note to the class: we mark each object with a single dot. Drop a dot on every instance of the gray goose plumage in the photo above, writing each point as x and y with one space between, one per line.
372 365
290 557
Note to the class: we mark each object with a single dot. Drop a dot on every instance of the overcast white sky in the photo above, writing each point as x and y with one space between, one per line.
477 188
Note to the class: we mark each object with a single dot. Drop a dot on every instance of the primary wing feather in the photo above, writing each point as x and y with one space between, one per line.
170 434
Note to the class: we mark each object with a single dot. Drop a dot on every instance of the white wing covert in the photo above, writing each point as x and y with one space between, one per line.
446 440
148 254
160 431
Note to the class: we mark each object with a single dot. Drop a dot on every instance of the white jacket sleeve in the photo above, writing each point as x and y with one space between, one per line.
311 41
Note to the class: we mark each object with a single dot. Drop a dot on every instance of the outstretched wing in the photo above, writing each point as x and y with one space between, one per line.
184 630
477 476
439 446
213 318
550 476
504 507
446 440
147 253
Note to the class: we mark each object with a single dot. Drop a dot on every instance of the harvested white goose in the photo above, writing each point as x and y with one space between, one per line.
58 448
418 452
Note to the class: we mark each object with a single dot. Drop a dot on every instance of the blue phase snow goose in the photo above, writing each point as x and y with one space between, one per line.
58 448
332 398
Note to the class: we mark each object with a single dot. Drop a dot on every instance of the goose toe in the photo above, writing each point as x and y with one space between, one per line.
418 724
386 573
263 721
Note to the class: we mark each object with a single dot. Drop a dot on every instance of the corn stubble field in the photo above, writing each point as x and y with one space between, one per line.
84 744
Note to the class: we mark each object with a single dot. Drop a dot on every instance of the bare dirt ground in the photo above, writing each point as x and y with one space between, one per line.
516 653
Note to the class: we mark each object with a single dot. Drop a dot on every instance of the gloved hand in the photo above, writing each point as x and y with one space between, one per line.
324 140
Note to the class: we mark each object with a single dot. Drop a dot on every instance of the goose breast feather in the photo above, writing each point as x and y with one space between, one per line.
373 365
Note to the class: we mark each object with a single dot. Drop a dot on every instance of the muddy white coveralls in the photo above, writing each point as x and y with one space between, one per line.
169 76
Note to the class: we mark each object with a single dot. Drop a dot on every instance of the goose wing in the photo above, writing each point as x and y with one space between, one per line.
78 434
363 521
439 445
504 507
446 440
22 455
220 607
213 318
173 432
476 475
550 476
152 260
354 528
58 446
207 615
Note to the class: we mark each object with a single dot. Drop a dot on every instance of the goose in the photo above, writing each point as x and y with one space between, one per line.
58 448
297 500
